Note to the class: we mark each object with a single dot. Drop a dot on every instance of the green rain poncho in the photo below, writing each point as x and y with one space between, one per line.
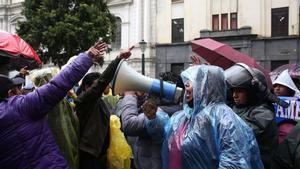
62 120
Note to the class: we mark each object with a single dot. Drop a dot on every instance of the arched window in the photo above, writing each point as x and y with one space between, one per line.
13 22
116 44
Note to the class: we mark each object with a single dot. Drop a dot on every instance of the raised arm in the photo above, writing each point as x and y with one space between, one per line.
90 96
97 88
36 104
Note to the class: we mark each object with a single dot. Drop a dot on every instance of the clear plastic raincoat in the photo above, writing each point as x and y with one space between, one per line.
210 135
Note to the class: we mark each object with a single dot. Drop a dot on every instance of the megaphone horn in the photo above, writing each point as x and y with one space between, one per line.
127 79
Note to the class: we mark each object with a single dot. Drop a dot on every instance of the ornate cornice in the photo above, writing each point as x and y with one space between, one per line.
118 2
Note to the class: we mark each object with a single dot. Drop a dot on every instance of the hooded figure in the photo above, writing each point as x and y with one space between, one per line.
62 120
206 134
284 86
284 79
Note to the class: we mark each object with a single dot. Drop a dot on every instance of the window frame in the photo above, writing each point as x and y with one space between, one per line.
224 20
278 29
233 21
176 35
215 25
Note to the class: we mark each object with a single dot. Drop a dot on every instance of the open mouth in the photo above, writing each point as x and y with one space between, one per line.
188 96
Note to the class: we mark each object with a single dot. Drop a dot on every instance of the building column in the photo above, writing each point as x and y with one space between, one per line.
139 26
147 20
293 17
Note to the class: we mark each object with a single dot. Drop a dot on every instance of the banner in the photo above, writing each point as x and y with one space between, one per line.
292 112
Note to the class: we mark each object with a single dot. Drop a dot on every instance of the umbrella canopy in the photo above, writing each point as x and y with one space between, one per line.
18 62
18 50
224 56
293 69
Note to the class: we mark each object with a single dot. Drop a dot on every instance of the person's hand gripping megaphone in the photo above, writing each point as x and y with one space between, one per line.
149 108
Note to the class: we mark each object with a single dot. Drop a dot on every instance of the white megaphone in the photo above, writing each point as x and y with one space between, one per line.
127 79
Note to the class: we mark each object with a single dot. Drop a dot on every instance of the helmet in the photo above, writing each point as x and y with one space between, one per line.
253 80
242 76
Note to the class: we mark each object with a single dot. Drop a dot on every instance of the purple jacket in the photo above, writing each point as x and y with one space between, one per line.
25 139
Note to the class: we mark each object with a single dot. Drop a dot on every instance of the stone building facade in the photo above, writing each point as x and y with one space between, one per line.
267 30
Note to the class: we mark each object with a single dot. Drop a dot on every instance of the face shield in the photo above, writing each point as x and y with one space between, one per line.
237 77
242 76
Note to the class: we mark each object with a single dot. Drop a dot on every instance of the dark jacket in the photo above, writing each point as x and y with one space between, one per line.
94 116
287 156
261 118
26 140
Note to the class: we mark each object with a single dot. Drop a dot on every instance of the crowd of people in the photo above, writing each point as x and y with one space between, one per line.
225 119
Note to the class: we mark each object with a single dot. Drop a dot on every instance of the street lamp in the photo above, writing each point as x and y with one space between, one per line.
143 46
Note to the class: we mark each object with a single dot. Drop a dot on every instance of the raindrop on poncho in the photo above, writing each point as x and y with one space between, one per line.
208 136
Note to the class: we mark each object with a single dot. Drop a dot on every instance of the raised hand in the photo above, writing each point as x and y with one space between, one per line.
195 59
125 54
97 51
23 71
101 46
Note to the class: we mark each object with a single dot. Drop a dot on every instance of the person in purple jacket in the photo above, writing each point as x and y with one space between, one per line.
25 139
